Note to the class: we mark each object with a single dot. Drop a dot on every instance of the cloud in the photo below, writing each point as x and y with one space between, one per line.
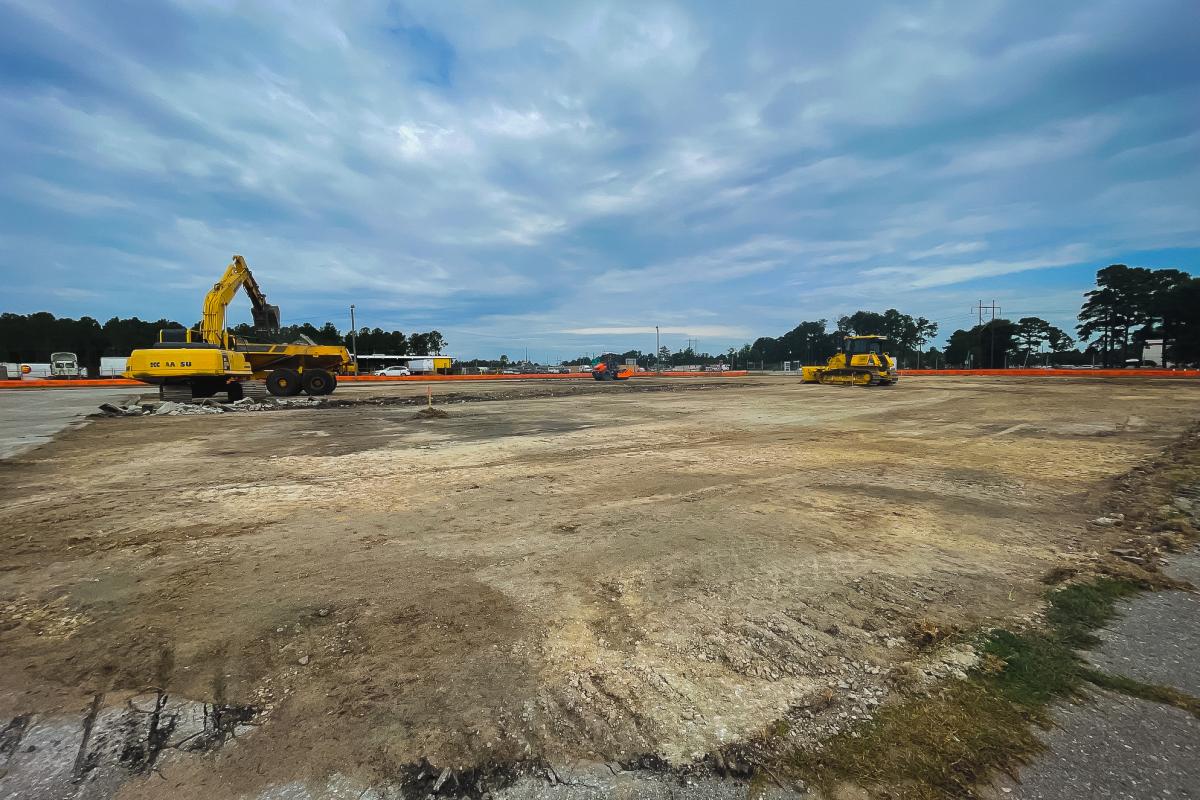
719 331
570 175
949 274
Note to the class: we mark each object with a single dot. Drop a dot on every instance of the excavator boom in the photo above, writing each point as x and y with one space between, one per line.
237 276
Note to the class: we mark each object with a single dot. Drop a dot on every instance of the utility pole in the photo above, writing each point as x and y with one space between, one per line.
994 309
353 336
657 348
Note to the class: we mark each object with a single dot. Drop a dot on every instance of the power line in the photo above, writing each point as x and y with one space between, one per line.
994 309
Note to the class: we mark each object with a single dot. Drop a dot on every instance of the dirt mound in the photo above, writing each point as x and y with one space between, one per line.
431 413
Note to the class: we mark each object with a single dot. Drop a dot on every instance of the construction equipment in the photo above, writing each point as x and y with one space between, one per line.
862 361
610 368
188 364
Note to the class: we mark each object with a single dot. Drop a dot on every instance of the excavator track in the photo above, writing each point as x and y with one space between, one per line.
175 393
255 390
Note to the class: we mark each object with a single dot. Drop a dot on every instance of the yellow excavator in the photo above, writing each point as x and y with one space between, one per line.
189 364
862 361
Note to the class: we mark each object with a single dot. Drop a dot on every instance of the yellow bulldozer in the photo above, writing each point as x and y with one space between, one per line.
189 364
862 361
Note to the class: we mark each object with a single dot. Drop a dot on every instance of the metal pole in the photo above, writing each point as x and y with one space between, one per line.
657 347
353 335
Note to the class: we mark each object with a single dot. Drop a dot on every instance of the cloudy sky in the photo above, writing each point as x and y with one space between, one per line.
565 176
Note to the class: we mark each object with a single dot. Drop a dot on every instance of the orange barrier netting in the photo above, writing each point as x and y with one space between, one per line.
42 383
1060 373
85 383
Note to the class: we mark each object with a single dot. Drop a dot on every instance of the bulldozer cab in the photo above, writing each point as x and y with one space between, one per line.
862 345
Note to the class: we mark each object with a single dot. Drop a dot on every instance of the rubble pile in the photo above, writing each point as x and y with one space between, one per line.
207 406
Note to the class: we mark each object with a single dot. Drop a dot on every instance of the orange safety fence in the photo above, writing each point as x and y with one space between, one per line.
103 382
68 383
1060 373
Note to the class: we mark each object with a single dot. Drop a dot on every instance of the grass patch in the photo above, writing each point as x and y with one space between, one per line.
936 747
944 745
1144 691
1078 610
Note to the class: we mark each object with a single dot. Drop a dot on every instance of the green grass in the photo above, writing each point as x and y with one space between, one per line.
936 747
942 746
1145 691
1078 610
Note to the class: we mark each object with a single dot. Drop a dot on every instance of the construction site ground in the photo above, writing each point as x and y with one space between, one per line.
642 573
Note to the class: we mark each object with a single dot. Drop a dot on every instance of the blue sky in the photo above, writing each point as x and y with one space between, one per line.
565 176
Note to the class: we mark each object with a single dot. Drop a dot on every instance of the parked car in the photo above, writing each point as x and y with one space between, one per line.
393 372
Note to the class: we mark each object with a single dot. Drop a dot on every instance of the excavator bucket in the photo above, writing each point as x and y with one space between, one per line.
266 318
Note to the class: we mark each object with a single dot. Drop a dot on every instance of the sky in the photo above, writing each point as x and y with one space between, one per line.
563 177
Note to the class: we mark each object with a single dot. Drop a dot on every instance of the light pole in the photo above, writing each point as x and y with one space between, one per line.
353 336
657 348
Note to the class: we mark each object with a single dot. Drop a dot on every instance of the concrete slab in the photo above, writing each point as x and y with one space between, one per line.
1155 639
1118 748
31 417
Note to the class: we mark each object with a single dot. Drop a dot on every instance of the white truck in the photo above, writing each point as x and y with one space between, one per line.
65 365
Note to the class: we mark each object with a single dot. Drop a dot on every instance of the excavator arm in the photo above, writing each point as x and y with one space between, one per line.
237 276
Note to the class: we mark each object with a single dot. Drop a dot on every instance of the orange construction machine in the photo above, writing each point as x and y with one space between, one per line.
610 368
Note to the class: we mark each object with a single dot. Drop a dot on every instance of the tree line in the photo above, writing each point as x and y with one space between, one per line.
812 342
1128 306
366 342
33 337
1132 304
1001 343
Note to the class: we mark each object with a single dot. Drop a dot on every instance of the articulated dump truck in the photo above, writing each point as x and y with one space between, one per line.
188 364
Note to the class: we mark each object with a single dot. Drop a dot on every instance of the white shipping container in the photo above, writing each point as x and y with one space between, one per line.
420 365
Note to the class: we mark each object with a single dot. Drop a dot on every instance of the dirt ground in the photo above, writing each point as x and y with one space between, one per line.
604 573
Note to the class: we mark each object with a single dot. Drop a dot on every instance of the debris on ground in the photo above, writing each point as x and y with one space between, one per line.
430 412
123 411
208 405
272 403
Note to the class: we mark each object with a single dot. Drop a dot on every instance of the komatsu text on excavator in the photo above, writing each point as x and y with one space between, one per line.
189 364
861 362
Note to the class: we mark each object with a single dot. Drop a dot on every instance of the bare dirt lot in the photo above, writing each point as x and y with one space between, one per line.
592 571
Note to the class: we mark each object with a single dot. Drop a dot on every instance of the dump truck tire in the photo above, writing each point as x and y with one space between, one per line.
317 382
284 382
